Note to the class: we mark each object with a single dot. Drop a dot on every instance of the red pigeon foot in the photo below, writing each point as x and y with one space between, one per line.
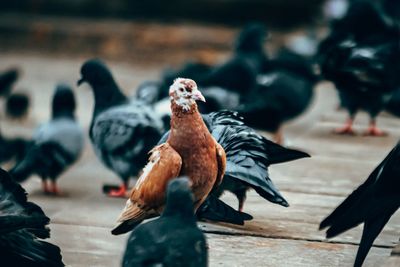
120 192
54 190
46 189
345 130
375 131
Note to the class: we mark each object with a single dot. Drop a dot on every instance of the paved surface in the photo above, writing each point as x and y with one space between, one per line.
277 236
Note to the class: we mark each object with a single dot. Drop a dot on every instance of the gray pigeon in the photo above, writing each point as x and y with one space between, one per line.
174 238
122 131
56 145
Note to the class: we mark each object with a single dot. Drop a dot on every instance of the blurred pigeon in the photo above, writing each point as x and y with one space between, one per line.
7 79
122 131
279 96
17 105
22 225
360 58
174 238
248 156
56 145
372 203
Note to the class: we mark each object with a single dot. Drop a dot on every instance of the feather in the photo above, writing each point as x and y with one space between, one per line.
22 225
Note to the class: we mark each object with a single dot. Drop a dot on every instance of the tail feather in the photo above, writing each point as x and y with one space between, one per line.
371 230
22 170
10 223
279 154
131 216
214 209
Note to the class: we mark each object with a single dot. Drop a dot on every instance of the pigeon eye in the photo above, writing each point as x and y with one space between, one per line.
180 89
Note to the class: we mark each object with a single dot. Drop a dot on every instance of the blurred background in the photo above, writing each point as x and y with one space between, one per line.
135 30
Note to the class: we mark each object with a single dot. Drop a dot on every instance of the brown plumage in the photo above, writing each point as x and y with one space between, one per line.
190 150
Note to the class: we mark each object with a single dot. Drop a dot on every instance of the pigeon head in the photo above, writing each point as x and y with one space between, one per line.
63 101
184 93
96 73
179 197
251 38
105 89
17 105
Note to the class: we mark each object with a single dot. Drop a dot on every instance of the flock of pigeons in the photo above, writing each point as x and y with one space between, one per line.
206 138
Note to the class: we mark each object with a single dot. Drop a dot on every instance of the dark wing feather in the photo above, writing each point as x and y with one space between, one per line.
354 203
371 230
248 153
22 223
214 209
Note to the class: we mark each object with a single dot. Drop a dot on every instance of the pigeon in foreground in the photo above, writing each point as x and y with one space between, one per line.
22 225
173 239
372 203
248 156
189 150
121 131
56 145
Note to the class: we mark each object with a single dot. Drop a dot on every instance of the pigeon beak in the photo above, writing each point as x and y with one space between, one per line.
80 81
198 96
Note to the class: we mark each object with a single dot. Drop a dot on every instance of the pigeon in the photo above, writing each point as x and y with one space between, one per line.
56 145
122 131
23 224
248 156
372 203
279 96
360 58
17 105
190 150
173 239
7 79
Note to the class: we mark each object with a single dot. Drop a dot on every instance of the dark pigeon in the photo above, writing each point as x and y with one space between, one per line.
7 79
248 156
372 203
173 239
56 145
17 105
360 58
122 131
22 226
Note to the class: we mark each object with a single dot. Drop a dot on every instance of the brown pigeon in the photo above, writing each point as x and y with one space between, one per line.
190 150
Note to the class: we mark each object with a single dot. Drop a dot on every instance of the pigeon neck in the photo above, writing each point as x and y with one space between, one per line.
179 111
107 96
181 207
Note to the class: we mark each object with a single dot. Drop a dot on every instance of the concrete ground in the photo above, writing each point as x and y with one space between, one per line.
82 220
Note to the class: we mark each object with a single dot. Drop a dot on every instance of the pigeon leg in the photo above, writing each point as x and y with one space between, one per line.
347 128
373 130
278 136
54 189
120 192
45 187
241 196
